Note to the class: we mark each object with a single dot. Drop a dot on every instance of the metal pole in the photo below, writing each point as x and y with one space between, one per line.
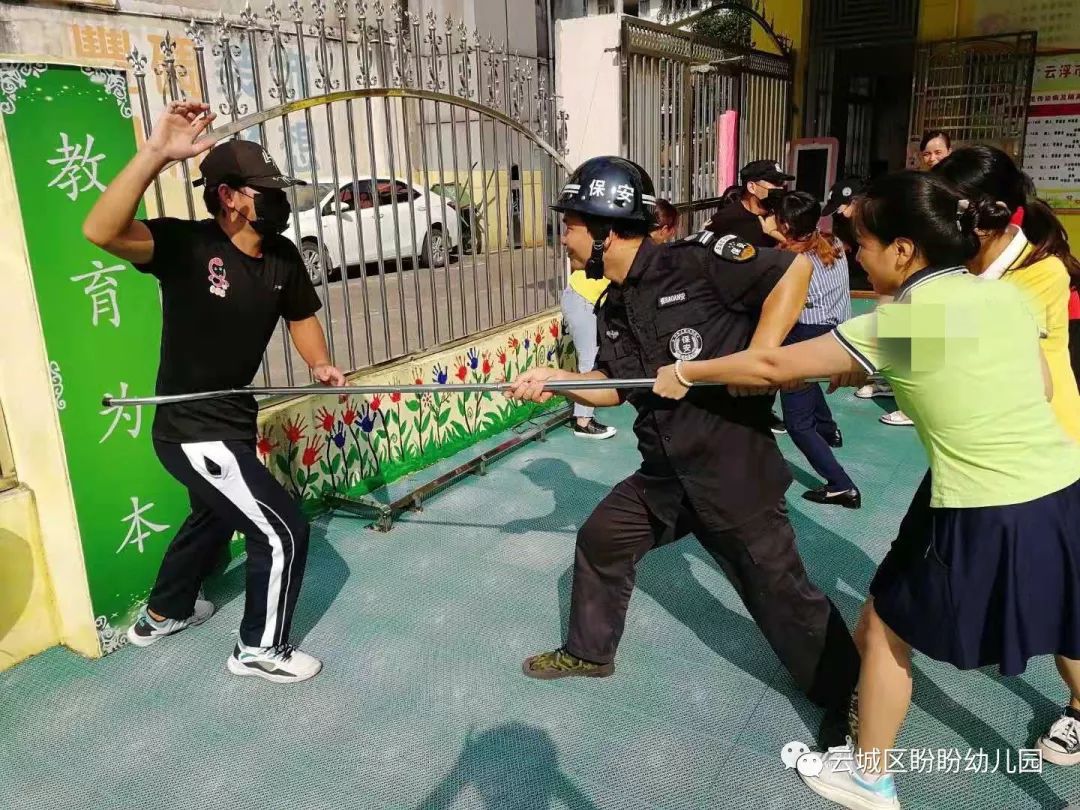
420 388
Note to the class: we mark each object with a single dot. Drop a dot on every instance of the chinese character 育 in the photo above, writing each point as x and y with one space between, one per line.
102 291
78 167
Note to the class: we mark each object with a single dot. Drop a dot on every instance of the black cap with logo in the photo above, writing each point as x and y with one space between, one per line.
767 170
843 192
243 163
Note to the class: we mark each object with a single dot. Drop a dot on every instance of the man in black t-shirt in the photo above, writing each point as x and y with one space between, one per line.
710 465
761 181
225 283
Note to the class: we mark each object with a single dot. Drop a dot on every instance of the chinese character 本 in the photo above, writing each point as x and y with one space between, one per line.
120 412
597 188
137 531
102 291
77 162
624 193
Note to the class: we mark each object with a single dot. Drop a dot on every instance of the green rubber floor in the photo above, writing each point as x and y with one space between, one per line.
422 704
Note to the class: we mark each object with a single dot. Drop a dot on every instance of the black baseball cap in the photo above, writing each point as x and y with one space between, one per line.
767 170
842 193
243 163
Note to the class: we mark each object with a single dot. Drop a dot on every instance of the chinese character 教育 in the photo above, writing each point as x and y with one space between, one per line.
120 412
102 291
137 530
76 163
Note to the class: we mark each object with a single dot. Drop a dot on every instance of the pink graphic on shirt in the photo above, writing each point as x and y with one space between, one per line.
218 282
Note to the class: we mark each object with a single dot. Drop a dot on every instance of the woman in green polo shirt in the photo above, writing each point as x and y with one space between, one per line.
986 566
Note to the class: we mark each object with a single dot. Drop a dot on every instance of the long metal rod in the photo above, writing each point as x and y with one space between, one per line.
395 388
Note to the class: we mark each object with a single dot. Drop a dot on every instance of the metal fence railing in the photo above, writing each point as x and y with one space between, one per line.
677 86
428 156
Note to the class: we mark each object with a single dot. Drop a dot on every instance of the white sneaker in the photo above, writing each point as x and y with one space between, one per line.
281 664
1061 744
897 418
146 630
835 775
877 389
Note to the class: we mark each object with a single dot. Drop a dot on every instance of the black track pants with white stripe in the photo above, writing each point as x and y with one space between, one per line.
231 491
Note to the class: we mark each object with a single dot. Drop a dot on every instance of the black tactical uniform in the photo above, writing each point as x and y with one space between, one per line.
710 464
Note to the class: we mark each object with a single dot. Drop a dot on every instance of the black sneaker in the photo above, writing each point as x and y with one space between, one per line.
848 498
835 440
593 430
1061 744
777 425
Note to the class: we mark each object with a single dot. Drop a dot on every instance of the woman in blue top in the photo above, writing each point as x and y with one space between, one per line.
986 570
807 417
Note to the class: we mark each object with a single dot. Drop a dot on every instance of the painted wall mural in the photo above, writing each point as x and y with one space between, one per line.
353 445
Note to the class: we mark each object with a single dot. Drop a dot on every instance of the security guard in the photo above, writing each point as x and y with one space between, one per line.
710 466
761 184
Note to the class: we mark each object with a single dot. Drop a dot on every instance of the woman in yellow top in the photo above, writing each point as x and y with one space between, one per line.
1034 257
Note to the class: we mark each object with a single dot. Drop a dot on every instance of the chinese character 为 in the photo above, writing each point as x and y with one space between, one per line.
121 412
102 291
137 531
77 163
624 193
597 188
100 42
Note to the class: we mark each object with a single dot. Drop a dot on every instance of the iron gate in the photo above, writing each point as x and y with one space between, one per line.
976 89
676 86
428 155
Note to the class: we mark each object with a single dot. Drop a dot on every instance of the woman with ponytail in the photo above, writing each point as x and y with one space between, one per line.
807 417
985 569
1033 255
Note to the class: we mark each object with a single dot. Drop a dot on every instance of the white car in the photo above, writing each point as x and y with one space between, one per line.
433 240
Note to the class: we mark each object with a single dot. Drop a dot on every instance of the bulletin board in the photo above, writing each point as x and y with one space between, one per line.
1052 141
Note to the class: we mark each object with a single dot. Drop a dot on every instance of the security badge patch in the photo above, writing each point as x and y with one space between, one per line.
728 247
685 344
733 249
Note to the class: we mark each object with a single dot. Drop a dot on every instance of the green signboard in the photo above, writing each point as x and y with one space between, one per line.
70 131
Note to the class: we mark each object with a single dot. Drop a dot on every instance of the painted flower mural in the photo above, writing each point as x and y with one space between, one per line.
356 445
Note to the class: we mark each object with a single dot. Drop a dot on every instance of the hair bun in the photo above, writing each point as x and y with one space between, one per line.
967 215
992 215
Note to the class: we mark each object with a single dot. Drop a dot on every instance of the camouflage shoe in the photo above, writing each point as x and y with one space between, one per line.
561 664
